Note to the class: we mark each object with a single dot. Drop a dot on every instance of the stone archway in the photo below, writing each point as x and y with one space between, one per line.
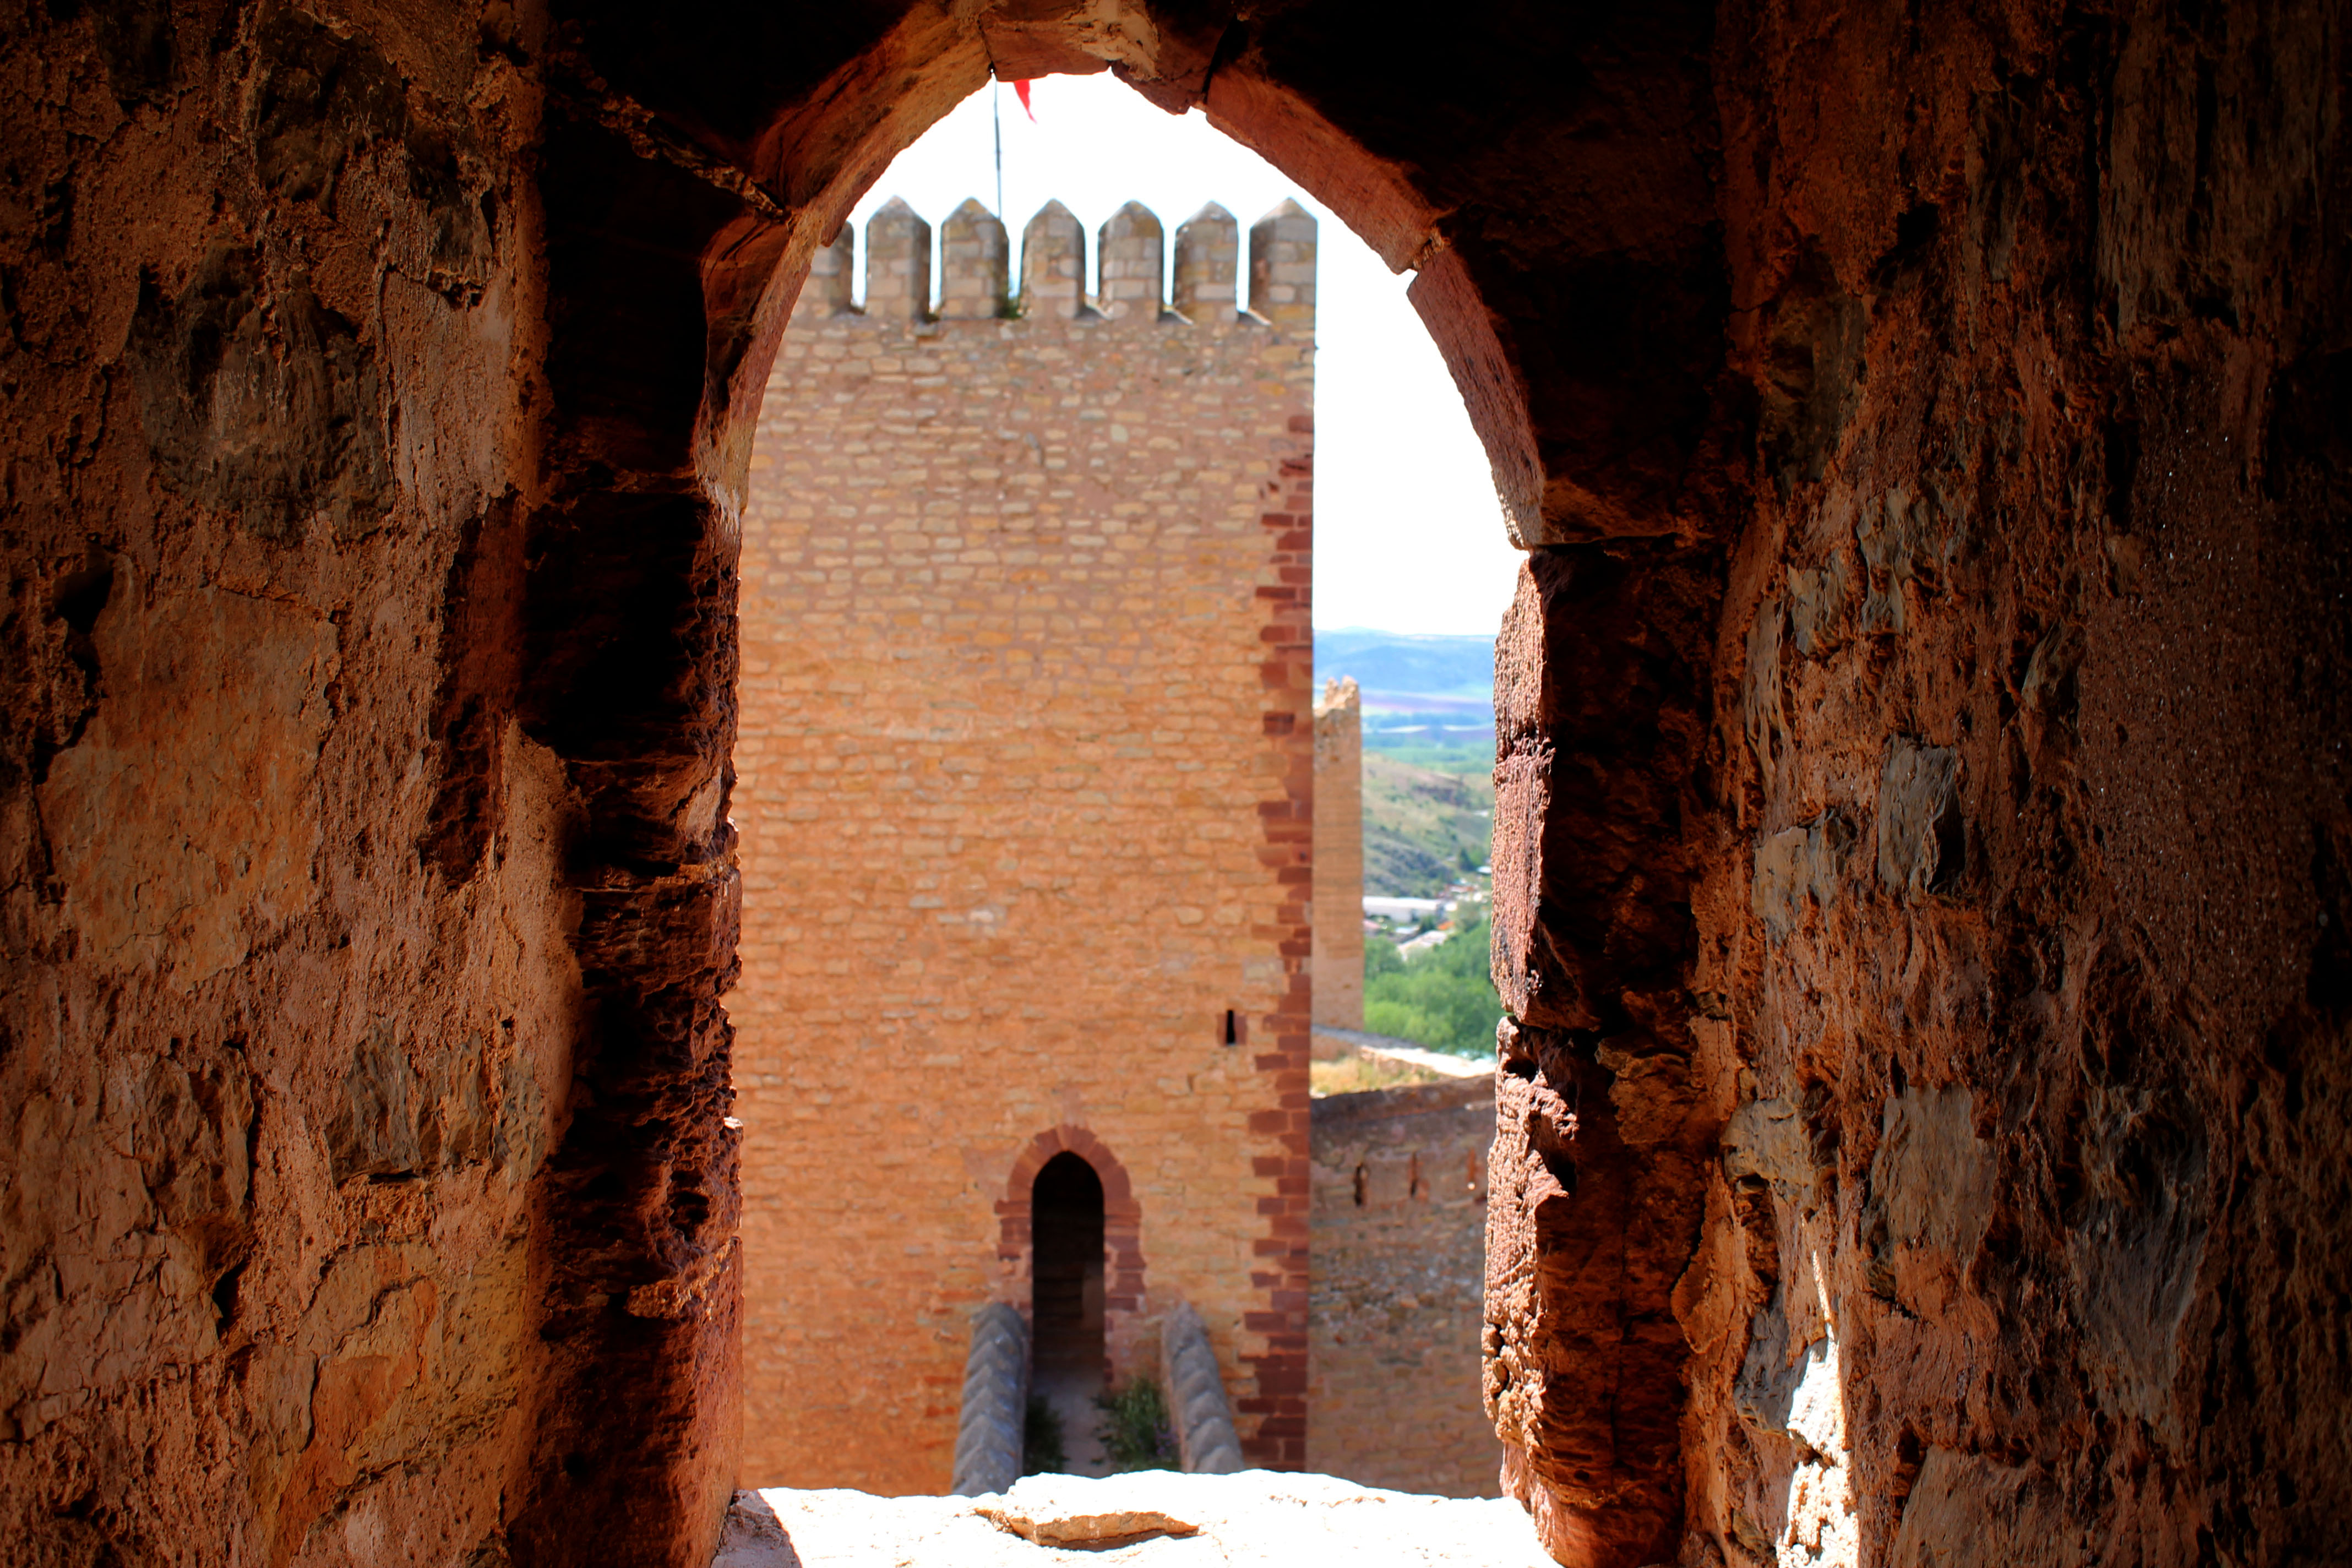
1921 845
1596 437
1700 301
1123 1287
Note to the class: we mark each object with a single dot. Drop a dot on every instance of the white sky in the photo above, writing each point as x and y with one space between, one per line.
1408 537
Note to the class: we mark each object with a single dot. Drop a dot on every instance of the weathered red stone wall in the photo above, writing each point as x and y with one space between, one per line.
1026 792
271 1223
1950 1110
2037 767
327 933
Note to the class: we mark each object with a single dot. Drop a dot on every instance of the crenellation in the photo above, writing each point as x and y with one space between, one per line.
827 292
1053 264
975 261
1132 249
1208 266
1282 267
898 263
974 283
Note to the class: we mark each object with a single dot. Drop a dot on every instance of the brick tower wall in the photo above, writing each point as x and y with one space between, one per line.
1339 856
1026 796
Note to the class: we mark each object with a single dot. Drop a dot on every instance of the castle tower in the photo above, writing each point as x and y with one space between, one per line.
1027 793
1338 854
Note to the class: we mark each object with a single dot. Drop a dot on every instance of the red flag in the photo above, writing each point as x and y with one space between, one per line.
1021 92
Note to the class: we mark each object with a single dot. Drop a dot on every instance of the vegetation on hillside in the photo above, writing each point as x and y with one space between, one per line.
1442 998
1423 830
1440 753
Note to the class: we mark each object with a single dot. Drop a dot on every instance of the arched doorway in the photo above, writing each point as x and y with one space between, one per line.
1067 1353
1072 1256
1066 1280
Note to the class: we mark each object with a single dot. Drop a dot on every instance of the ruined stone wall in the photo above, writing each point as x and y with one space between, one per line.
1397 1305
2035 962
1339 856
1025 786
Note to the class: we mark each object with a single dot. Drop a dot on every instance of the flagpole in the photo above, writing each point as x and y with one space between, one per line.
996 118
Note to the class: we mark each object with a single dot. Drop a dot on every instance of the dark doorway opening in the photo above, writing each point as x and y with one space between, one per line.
1066 1217
1066 1311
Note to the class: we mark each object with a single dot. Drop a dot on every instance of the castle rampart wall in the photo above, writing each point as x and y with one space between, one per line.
1026 796
1400 1267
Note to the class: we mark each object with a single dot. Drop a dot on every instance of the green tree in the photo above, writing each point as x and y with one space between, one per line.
1443 997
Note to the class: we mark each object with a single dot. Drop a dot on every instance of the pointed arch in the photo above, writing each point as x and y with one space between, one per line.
1123 1292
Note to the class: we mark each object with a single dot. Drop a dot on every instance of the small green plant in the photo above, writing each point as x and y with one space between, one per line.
1042 1451
1135 1430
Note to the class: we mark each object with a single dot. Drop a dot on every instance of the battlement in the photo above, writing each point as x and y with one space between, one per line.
975 259
898 262
974 263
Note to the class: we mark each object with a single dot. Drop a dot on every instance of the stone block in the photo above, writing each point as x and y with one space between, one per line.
1131 250
1053 264
1282 268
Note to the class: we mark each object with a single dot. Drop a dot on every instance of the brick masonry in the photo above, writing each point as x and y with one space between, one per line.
1026 796
1398 1280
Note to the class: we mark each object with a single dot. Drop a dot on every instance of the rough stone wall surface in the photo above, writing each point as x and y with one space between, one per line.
1025 784
313 912
269 1224
1339 855
1956 1111
1396 1307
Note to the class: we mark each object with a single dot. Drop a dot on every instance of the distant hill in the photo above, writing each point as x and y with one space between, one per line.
1396 664
1424 828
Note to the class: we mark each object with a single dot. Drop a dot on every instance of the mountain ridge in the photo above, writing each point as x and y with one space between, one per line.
1407 664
